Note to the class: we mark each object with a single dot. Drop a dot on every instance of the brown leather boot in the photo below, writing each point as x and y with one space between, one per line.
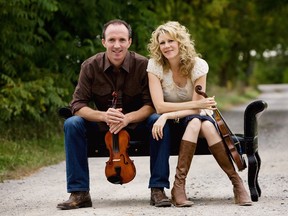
186 152
76 200
159 198
241 196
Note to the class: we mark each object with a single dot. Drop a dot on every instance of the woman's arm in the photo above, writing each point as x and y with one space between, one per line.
164 107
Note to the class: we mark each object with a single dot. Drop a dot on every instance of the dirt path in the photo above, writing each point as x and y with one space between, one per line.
206 184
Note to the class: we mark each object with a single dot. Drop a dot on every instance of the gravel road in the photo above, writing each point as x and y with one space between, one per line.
207 185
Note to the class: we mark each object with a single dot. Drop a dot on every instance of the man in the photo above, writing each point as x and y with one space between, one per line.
116 70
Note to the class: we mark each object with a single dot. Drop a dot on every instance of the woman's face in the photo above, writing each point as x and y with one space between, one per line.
168 46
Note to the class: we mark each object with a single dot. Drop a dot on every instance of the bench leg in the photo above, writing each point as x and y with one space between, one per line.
254 163
259 165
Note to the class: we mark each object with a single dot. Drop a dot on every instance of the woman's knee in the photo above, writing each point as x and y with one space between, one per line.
194 125
206 125
208 128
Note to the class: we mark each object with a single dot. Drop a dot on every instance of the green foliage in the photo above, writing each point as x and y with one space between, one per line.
271 70
32 99
227 31
24 92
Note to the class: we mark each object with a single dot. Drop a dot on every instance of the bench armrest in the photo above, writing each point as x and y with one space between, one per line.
252 112
65 112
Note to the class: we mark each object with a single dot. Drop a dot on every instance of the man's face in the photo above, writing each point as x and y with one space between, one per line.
117 43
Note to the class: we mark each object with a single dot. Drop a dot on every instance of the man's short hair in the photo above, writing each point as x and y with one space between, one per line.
117 21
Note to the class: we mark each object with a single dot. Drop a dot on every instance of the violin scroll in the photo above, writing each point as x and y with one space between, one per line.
199 91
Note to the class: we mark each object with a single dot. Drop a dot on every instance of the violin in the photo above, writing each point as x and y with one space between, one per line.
120 169
226 135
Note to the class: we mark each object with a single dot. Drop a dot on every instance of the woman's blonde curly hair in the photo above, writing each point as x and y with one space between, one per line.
186 47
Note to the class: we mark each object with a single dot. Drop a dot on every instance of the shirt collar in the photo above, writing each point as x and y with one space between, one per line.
124 66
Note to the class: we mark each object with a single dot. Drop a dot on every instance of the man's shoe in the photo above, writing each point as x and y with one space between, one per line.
159 198
76 200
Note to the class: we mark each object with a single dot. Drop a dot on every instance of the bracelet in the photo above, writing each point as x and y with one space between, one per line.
176 120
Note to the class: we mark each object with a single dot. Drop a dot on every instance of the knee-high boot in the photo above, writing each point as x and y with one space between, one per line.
219 152
186 152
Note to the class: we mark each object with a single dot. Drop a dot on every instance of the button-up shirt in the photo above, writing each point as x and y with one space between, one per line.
97 81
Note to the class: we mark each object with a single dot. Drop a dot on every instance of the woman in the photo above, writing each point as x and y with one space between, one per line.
174 69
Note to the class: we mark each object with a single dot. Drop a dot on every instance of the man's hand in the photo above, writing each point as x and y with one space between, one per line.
114 116
116 120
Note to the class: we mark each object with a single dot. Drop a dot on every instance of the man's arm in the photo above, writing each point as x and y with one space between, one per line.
111 116
139 115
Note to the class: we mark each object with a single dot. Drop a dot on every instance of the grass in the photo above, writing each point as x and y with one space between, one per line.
23 157
25 148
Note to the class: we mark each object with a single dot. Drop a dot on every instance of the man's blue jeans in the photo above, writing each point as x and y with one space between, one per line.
77 170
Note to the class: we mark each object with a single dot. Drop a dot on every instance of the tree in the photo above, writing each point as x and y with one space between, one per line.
25 88
229 31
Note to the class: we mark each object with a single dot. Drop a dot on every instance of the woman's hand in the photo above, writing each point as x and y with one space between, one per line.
207 103
157 129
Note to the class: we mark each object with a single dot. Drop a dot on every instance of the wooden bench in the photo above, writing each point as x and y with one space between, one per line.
139 143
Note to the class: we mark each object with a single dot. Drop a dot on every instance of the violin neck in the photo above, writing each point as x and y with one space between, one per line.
217 112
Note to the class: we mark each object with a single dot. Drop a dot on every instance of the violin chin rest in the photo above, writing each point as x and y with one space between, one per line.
115 179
